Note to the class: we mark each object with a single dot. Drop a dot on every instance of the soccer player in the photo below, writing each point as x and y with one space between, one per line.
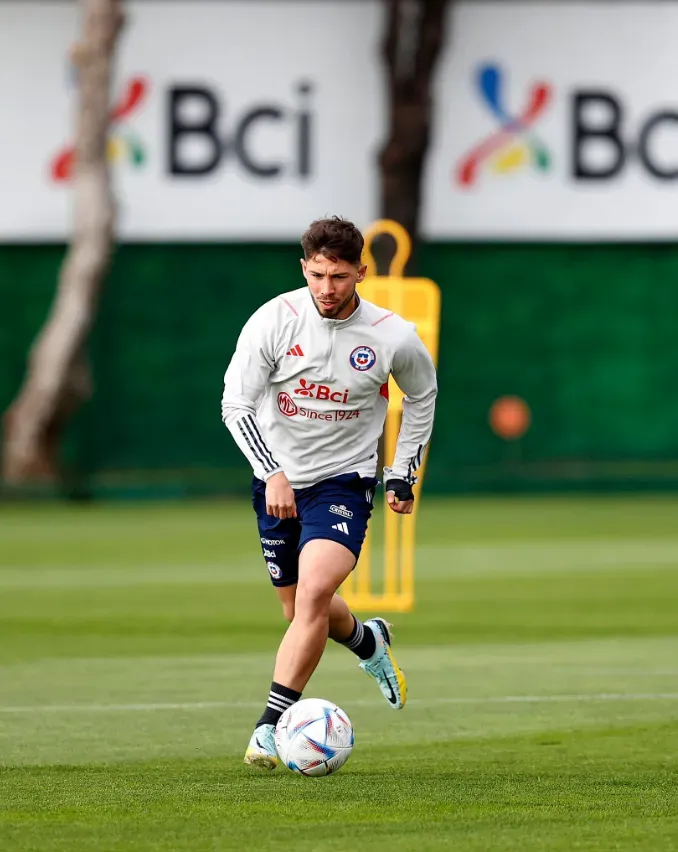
305 398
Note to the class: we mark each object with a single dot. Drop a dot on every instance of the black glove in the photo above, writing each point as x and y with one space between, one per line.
401 489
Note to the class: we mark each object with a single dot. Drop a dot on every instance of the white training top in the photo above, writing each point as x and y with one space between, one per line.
308 395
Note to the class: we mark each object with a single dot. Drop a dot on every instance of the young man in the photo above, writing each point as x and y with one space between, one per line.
305 398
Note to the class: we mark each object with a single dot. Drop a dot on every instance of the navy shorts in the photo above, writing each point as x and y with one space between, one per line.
336 509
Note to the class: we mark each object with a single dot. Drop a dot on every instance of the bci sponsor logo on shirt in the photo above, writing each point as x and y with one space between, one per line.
313 391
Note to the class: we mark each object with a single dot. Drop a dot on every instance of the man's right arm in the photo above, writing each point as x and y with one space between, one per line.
244 383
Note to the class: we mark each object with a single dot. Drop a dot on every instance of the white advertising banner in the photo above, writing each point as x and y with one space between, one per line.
556 120
238 120
245 120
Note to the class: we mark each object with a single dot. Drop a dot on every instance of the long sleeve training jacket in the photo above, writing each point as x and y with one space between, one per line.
308 395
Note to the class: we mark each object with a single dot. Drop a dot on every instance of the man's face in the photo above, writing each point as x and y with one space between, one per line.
332 284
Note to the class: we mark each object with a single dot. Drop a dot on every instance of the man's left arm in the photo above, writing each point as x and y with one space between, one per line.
415 374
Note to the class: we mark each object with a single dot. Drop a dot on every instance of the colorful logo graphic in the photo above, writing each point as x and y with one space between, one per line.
362 358
513 146
123 144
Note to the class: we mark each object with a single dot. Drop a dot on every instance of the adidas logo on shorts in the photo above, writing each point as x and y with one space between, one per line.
342 527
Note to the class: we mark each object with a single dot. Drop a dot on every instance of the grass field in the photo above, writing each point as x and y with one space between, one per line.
136 647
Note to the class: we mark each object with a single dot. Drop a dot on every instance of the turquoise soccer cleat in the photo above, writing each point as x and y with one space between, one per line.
261 751
382 665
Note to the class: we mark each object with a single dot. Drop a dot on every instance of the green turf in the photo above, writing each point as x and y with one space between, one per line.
136 647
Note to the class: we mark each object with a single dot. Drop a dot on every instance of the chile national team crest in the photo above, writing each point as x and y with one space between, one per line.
363 358
274 570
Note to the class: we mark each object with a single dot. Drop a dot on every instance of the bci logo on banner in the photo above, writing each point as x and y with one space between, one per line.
199 118
201 135
602 139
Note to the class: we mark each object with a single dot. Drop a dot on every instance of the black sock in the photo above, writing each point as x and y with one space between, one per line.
361 641
279 699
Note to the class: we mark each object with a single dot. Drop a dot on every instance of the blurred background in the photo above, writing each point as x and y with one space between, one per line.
534 165
530 149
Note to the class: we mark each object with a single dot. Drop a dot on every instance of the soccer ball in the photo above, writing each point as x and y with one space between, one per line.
314 737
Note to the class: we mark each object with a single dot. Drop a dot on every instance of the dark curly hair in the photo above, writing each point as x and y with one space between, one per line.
336 238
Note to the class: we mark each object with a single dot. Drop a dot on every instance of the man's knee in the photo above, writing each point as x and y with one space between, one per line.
323 567
313 597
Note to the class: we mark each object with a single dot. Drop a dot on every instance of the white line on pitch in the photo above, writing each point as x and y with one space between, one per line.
225 705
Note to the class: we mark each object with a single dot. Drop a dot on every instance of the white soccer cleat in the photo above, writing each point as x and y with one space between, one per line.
383 667
261 751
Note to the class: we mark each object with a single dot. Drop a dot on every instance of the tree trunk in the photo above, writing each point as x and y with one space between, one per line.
415 31
58 379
